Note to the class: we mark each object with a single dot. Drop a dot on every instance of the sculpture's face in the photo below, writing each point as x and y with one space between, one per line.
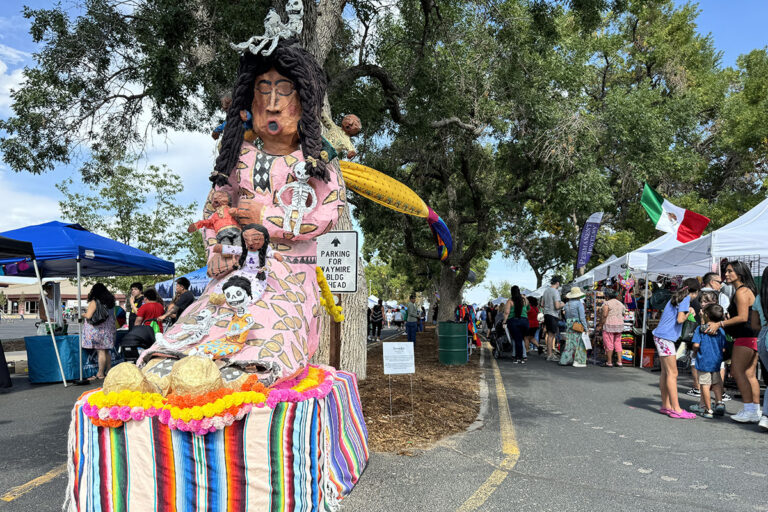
220 199
294 8
254 239
235 296
351 125
300 171
276 113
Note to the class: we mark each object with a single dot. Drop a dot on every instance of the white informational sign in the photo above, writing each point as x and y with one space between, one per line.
398 358
337 256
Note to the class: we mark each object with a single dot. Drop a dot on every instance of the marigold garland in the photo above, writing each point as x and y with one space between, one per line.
204 413
326 297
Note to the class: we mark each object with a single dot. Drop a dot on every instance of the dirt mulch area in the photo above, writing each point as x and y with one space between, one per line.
446 399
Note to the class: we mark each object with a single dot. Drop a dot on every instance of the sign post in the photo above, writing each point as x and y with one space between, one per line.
337 257
399 360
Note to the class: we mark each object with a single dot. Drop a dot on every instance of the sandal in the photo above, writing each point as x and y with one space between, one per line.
681 415
609 365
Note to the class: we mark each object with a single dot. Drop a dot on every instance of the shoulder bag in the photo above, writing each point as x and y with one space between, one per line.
100 315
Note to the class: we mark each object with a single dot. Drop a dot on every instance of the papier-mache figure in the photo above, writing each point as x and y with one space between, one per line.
339 137
237 293
285 305
245 117
222 221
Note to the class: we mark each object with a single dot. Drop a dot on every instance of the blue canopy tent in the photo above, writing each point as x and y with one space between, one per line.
70 250
59 246
198 280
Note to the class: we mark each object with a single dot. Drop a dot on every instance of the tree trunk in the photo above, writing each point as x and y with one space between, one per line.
354 328
321 23
449 288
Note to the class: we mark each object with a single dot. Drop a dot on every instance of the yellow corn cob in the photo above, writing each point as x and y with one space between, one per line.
382 189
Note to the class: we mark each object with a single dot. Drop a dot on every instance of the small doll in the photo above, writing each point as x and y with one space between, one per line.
222 221
339 138
245 116
237 293
254 251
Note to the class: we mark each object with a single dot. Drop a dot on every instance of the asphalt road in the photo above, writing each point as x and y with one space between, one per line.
589 440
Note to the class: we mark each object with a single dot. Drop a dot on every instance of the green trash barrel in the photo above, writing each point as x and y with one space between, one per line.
452 343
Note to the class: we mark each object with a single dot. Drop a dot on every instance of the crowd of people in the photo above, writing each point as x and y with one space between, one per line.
103 317
718 322
409 319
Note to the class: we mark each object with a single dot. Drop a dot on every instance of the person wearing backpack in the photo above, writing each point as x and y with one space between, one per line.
99 330
151 311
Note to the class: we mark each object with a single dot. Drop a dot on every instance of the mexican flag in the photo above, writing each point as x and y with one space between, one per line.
670 218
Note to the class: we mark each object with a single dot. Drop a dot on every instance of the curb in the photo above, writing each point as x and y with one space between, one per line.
484 397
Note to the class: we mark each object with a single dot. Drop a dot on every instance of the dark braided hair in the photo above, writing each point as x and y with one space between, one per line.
296 64
262 252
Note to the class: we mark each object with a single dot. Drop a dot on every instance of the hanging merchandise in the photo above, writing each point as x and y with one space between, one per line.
627 282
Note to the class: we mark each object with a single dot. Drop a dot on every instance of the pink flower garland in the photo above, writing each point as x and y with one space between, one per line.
281 393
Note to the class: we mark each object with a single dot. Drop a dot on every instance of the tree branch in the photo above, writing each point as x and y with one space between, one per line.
475 129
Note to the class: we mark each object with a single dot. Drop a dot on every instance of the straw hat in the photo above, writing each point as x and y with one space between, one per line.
575 293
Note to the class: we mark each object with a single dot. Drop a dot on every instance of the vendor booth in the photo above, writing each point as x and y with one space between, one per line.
69 250
745 238
17 250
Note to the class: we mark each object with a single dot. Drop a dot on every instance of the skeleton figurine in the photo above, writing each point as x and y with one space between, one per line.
301 192
275 29
193 333
237 291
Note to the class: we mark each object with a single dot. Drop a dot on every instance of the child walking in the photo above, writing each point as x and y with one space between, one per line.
709 350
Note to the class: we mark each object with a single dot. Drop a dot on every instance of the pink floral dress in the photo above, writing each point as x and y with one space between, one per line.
286 308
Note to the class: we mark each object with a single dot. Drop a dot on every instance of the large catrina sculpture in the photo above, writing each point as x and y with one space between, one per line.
224 411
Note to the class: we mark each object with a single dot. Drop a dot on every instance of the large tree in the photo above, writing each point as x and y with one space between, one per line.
139 208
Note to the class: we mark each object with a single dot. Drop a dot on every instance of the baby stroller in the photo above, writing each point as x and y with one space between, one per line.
500 340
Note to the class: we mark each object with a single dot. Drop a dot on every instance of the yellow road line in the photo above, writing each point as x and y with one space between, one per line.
25 488
509 448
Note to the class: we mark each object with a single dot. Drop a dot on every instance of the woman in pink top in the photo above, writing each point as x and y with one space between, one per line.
612 323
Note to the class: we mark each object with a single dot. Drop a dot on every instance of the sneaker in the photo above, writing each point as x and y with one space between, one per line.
746 417
709 414
579 365
523 361
720 409
726 397
553 358
697 408
693 392
517 361
763 424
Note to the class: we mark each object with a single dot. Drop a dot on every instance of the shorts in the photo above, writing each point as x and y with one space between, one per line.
532 331
552 324
664 347
746 342
612 341
709 378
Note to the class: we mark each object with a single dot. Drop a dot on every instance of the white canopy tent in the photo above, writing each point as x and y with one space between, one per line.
538 292
637 260
585 280
745 236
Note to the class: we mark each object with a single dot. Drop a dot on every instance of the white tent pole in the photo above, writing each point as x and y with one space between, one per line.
48 320
645 321
79 324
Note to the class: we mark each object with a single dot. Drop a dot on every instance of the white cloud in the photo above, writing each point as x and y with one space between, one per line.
12 55
22 207
191 155
8 80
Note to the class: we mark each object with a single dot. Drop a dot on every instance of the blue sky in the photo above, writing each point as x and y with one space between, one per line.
737 27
